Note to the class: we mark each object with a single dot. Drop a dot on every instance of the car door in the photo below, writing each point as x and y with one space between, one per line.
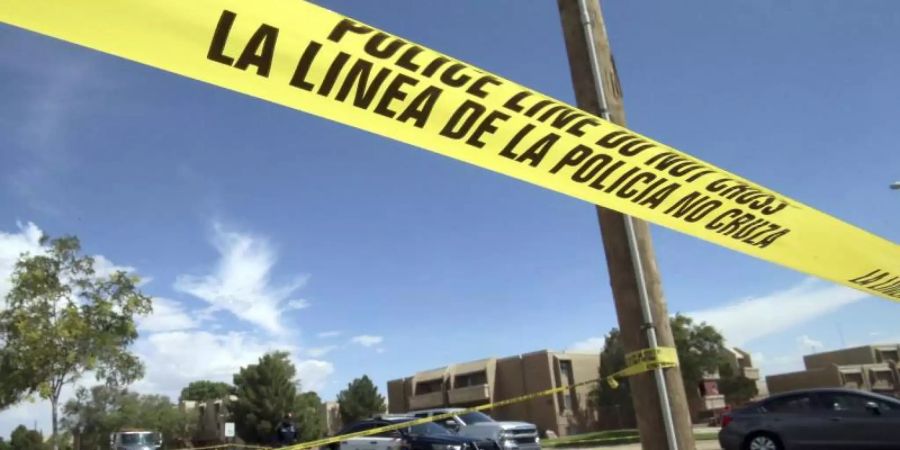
791 418
388 440
359 443
860 421
886 426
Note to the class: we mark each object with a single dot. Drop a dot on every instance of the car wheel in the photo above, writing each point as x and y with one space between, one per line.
763 441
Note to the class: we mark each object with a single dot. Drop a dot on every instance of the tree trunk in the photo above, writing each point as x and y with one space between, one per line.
54 403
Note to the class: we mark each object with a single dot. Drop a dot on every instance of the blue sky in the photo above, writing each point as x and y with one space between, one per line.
261 228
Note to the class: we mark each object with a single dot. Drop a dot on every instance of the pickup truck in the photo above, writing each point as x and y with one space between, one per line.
477 425
424 436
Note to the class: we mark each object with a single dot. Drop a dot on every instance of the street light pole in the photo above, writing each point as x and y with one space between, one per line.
895 185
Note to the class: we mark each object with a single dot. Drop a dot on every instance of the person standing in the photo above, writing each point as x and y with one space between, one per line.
287 432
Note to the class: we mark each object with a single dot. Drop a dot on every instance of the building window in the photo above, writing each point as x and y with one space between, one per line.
427 387
470 379
887 355
567 400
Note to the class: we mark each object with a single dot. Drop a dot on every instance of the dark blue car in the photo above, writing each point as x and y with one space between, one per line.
426 436
815 419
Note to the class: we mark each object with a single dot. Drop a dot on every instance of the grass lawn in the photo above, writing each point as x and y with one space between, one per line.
609 437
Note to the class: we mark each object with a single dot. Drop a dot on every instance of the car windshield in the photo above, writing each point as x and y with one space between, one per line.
475 417
429 429
138 438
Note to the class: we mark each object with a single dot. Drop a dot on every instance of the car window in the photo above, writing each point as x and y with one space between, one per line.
429 429
388 434
836 401
475 417
361 426
789 404
886 406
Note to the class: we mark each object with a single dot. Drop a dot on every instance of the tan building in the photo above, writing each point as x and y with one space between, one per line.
705 400
331 417
495 379
742 364
211 419
871 368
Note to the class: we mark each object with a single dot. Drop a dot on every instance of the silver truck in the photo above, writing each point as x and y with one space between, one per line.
135 440
507 435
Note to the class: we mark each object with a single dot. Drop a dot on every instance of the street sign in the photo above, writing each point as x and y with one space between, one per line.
229 429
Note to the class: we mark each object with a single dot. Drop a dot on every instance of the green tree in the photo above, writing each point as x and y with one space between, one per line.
93 414
612 359
360 400
736 388
265 392
15 383
307 411
63 319
24 439
204 390
699 348
4 445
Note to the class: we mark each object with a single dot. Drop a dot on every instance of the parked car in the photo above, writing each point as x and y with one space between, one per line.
426 436
135 439
814 419
507 435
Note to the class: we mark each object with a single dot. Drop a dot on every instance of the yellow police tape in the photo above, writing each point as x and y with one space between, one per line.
637 362
308 58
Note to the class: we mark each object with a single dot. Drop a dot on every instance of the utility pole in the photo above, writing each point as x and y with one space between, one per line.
659 398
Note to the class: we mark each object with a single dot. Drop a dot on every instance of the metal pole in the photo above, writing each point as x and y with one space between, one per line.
666 408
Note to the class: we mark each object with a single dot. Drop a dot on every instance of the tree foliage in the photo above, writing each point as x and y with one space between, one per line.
24 439
265 392
204 390
309 419
736 388
699 348
360 400
93 414
63 319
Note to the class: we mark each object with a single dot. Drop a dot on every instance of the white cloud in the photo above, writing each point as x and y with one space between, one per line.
809 343
366 340
241 281
174 359
172 346
298 304
592 344
313 374
320 351
329 334
168 315
104 268
12 246
745 320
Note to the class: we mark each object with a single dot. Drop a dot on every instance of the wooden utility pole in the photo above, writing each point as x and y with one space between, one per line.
588 50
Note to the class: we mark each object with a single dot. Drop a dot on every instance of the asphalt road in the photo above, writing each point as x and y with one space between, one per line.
701 445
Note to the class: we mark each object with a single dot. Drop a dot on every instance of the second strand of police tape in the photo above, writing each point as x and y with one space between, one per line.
636 362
